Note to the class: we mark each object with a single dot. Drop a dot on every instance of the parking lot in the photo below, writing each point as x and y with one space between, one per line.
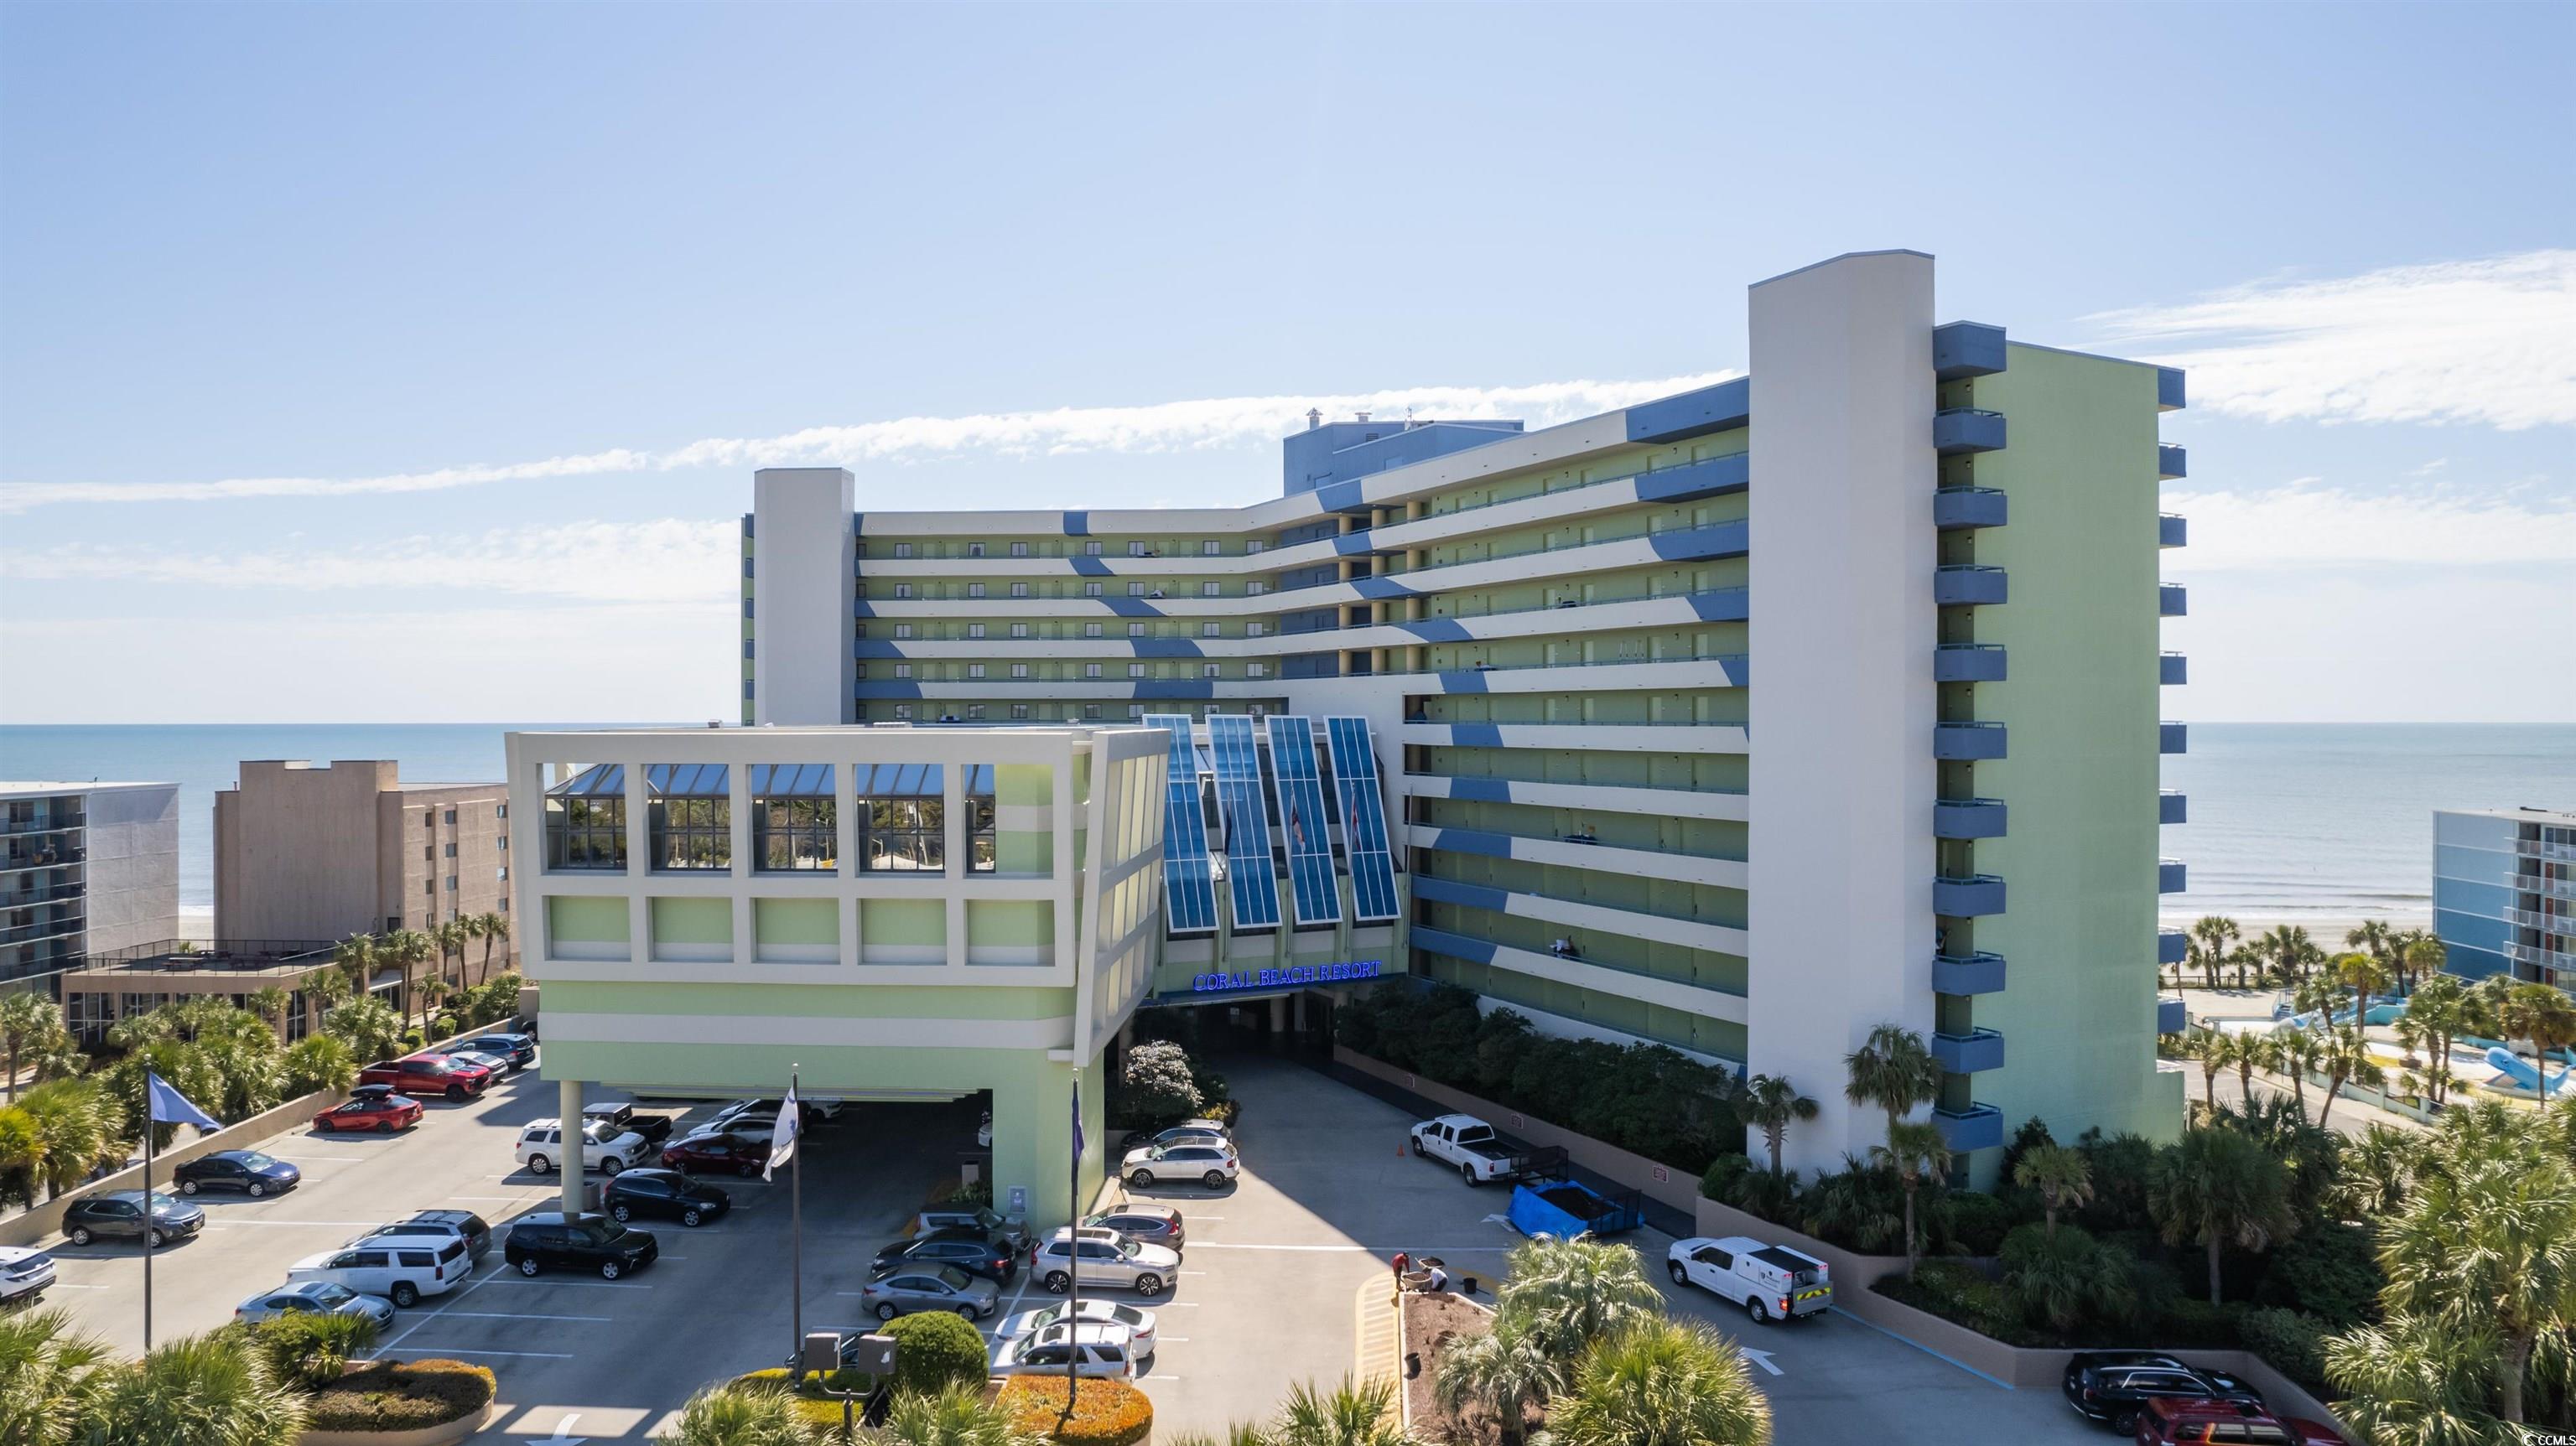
1276 1270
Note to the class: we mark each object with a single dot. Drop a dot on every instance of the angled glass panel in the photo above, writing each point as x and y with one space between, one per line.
1189 878
1302 818
1254 889
1363 819
594 781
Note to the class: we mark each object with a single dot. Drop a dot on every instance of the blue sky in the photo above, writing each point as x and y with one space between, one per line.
300 250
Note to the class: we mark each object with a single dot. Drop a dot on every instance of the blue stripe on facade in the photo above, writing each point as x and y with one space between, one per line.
2470 930
1352 543
1449 891
1456 946
1175 688
1436 630
1711 478
1476 735
898 691
1340 497
1165 648
1692 414
1090 567
866 648
1724 539
1461 680
1471 841
1077 524
1380 588
860 609
1131 607
1727 605
1481 790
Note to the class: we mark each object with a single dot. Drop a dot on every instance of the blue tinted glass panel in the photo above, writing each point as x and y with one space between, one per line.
1189 879
1254 889
1303 819
1363 820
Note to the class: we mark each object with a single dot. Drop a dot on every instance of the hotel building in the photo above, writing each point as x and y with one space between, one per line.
1740 722
2504 893
85 868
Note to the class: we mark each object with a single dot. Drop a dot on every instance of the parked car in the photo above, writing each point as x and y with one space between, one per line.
252 1173
2113 1387
1139 1139
26 1273
972 1251
910 1285
118 1214
813 1110
517 1050
666 1193
1771 1282
1209 1165
2169 1422
541 1147
314 1297
550 1239
622 1116
708 1154
499 1065
402 1269
413 1235
385 1112
1011 1229
1139 1322
1481 1154
750 1129
428 1074
1150 1224
1089 1349
464 1224
1144 1269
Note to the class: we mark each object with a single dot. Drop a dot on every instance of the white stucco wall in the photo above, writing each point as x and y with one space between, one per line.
803 548
133 869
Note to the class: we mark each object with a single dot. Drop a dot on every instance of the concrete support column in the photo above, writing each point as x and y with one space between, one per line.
1298 1011
568 1109
1278 1015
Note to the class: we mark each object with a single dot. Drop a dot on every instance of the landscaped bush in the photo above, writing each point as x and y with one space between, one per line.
311 1350
812 1406
1954 1291
2329 1270
969 1192
318 1062
1978 1223
2066 1280
2193 1321
401 1396
1105 1413
934 1349
2295 1343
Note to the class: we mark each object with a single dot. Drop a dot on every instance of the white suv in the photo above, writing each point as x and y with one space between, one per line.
402 1269
1208 1161
1144 1269
603 1148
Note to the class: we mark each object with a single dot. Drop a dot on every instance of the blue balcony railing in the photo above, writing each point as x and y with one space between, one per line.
1969 507
1968 584
2172 530
1968 897
2171 807
1968 663
1978 1127
1968 742
2169 388
1968 818
2172 669
2173 738
2173 600
1964 349
2170 876
1978 973
1970 1053
1960 430
2171 1016
2172 946
2169 462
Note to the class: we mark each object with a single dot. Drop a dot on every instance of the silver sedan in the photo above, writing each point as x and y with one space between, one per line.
314 1297
919 1285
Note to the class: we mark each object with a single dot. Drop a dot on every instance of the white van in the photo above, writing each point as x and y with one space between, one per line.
604 1148
402 1269
1771 1282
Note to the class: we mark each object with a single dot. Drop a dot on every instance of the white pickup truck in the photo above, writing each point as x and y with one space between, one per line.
1771 1282
1482 1155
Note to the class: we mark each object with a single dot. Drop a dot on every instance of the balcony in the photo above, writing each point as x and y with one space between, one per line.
2169 876
2172 946
1968 818
1978 973
2172 530
2172 669
1978 1127
2539 957
1969 897
1968 584
46 854
2173 737
1957 431
1964 349
2537 919
2172 600
1968 663
1970 1053
2171 1017
2169 462
1968 742
50 821
69 921
42 893
2169 389
2171 806
1968 507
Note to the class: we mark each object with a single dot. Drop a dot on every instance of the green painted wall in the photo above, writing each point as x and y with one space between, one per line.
1009 921
836 1001
692 921
574 919
796 921
903 921
2078 937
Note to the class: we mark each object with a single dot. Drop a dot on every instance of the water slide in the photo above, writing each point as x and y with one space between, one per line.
2510 1065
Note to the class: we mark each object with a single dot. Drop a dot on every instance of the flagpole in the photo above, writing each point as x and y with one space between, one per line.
1073 1292
796 1211
148 1112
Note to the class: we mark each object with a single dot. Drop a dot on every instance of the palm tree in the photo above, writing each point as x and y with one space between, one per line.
2297 1050
2218 1187
207 1390
494 927
2441 1005
412 948
1916 1152
2416 1382
1662 1382
2376 938
2245 1052
2062 1174
74 1125
26 1018
736 1415
957 1416
358 956
1571 1293
51 1381
270 1003
2494 1240
1894 1070
2418 955
2211 936
2379 1167
1351 1414
1504 1372
2210 1052
1846 1205
2543 1014
2068 1278
2366 973
1770 1104
451 938
2345 1055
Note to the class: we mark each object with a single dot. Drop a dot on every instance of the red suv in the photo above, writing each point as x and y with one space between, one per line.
428 1074
2166 1421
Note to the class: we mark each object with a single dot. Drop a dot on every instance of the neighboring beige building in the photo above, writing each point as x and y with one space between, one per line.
306 852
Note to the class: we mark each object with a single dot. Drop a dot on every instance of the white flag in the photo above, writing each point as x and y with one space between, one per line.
782 1143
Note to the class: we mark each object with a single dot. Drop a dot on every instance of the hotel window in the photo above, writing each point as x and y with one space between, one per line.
1207 670
1019 589
903 549
1091 670
500 810
1135 589
1207 589
1208 548
692 823
1091 630
1135 710
860 672
1252 545
903 590
974 589
1135 630
1255 589
903 670
451 851
903 711
1019 710
1019 670
451 883
1135 549
1208 630
1091 711
1019 549
974 630
586 820
1256 670
974 670
902 630
1019 630
1091 549
1254 630
450 816
1135 670
903 821
794 819
502 842
1091 589
974 549
974 712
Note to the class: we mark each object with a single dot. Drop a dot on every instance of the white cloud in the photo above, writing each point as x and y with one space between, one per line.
668 560
1157 427
2307 524
2490 342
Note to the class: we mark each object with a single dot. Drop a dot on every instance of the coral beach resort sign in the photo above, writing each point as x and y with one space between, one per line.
1289 978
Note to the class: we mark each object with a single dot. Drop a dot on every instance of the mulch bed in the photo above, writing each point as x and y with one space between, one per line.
1430 1323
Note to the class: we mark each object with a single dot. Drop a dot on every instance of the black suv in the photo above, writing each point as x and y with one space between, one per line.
667 1193
550 1238
972 1251
2112 1387
120 1212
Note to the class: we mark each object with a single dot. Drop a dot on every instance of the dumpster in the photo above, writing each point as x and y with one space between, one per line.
1564 1208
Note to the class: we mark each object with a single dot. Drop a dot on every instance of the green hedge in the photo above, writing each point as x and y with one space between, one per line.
401 1396
812 1405
934 1349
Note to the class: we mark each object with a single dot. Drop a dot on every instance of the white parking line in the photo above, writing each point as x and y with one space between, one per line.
514 1315
582 1284
449 1351
327 1224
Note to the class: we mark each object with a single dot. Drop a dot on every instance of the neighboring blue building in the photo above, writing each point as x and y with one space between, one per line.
1329 452
2504 892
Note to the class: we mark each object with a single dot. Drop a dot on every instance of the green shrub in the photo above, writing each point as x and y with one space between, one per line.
933 1349
1978 1223
319 1062
449 1026
2066 1279
1105 1413
2329 1270
1954 1291
1155 1085
500 999
413 1039
812 1405
2293 1342
311 1350
401 1396
969 1192
1719 1182
2192 1321
2121 1165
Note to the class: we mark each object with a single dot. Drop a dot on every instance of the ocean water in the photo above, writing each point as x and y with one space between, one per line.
2290 822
